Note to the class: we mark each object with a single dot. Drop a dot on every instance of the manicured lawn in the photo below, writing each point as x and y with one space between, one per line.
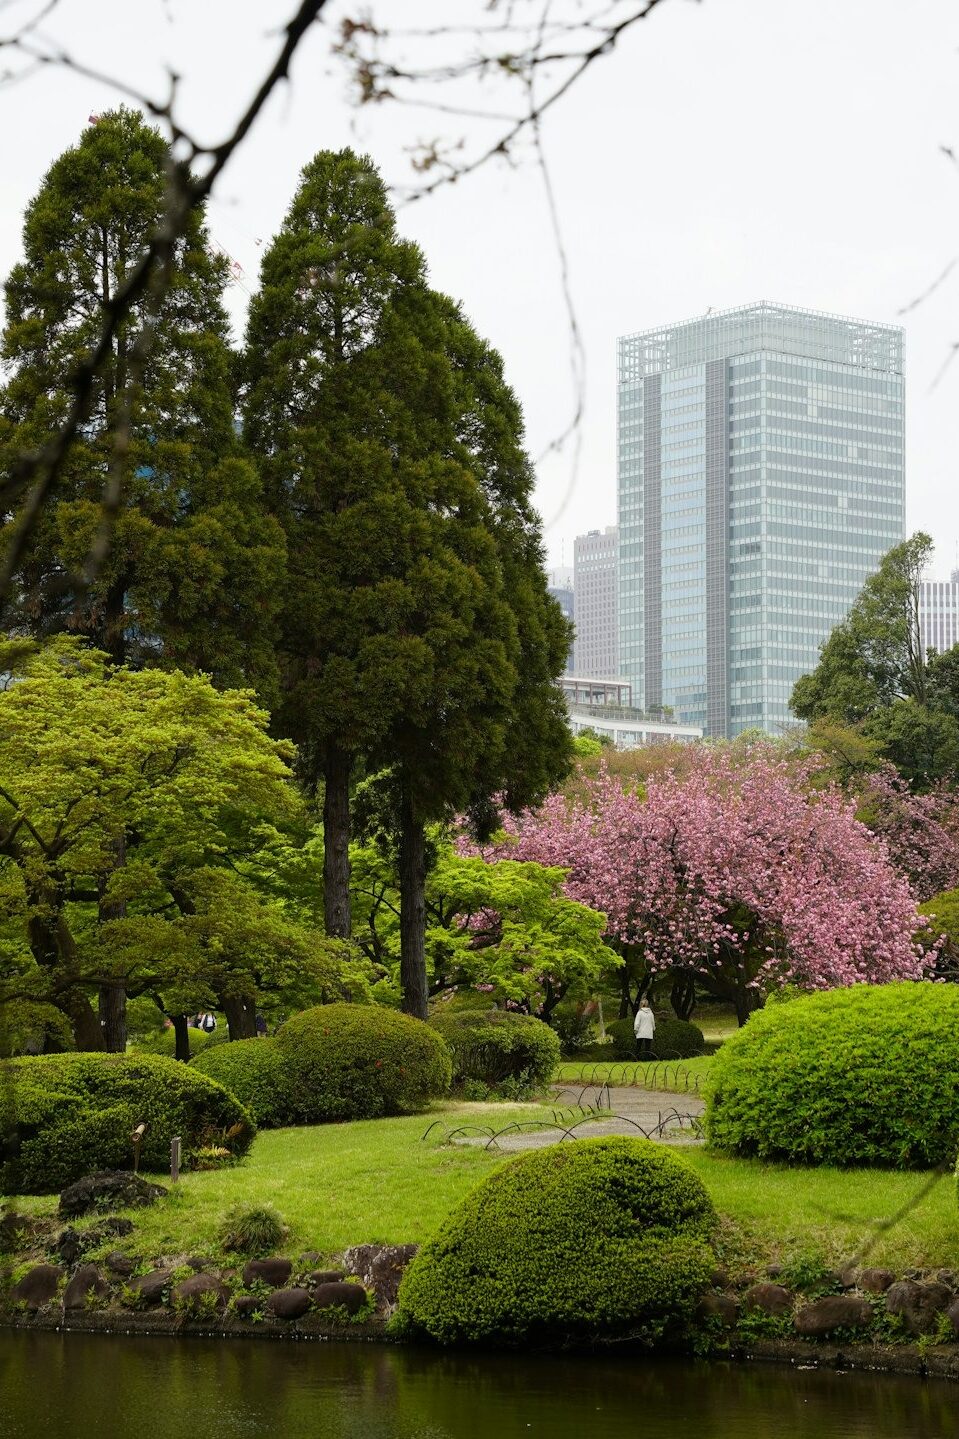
676 1075
379 1180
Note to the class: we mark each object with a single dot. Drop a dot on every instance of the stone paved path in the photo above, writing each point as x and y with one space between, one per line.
650 1113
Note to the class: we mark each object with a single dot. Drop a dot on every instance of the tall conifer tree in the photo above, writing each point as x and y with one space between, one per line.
194 561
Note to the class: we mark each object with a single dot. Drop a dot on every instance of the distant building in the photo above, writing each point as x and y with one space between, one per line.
563 595
761 480
606 707
595 570
939 613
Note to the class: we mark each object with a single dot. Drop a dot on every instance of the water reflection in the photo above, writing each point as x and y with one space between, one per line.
94 1387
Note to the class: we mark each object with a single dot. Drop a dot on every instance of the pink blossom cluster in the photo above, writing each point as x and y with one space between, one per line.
739 870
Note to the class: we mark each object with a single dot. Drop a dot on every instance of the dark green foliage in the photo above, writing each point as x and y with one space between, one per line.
674 1039
353 1061
252 1229
602 1237
498 1049
74 1113
254 1070
860 1076
195 561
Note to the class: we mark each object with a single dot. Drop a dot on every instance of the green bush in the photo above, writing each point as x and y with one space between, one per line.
674 1039
575 1023
860 1076
355 1061
69 1114
255 1071
500 1050
604 1237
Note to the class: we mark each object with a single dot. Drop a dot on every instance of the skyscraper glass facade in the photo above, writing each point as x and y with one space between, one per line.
761 479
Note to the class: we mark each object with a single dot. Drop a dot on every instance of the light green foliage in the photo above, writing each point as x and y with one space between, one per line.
505 926
674 1039
352 1061
866 1075
73 1113
254 1070
499 1051
604 1237
941 914
185 784
193 568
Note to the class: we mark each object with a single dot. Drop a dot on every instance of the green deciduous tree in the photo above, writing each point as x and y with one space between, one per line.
187 778
876 655
189 575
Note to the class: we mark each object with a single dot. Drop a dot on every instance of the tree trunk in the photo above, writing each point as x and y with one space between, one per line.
113 1017
87 1030
240 1017
412 910
55 952
682 996
336 843
181 1033
113 995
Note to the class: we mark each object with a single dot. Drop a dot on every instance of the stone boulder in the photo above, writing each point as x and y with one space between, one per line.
379 1267
875 1281
340 1295
70 1245
325 1276
768 1299
38 1286
288 1303
150 1288
86 1282
919 1304
16 1230
108 1189
122 1265
244 1305
836 1311
274 1272
718 1306
189 1293
953 1313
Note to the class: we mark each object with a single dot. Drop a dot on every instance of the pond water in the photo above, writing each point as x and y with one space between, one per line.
95 1387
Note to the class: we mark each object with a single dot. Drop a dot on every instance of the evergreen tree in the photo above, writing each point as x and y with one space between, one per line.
193 561
409 612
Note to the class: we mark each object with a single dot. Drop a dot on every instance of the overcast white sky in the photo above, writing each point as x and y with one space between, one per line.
728 151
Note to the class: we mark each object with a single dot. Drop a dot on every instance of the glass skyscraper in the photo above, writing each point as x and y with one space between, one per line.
761 479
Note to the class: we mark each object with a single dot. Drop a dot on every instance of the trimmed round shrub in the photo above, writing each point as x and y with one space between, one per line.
500 1050
67 1115
359 1061
861 1076
252 1229
255 1071
600 1237
674 1039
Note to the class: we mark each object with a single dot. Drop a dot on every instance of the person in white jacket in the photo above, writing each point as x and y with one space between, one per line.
644 1027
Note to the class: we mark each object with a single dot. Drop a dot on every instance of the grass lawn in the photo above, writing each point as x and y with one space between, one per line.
677 1075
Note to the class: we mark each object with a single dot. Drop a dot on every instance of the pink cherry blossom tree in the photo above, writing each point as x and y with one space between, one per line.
738 874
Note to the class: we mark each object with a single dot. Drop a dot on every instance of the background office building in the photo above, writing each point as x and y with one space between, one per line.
939 613
760 482
595 569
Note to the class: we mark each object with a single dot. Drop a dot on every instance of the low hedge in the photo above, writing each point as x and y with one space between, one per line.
66 1115
674 1039
356 1061
597 1238
861 1076
255 1071
501 1051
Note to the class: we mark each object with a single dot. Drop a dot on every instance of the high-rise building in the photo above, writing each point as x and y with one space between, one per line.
563 595
595 569
939 613
761 479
